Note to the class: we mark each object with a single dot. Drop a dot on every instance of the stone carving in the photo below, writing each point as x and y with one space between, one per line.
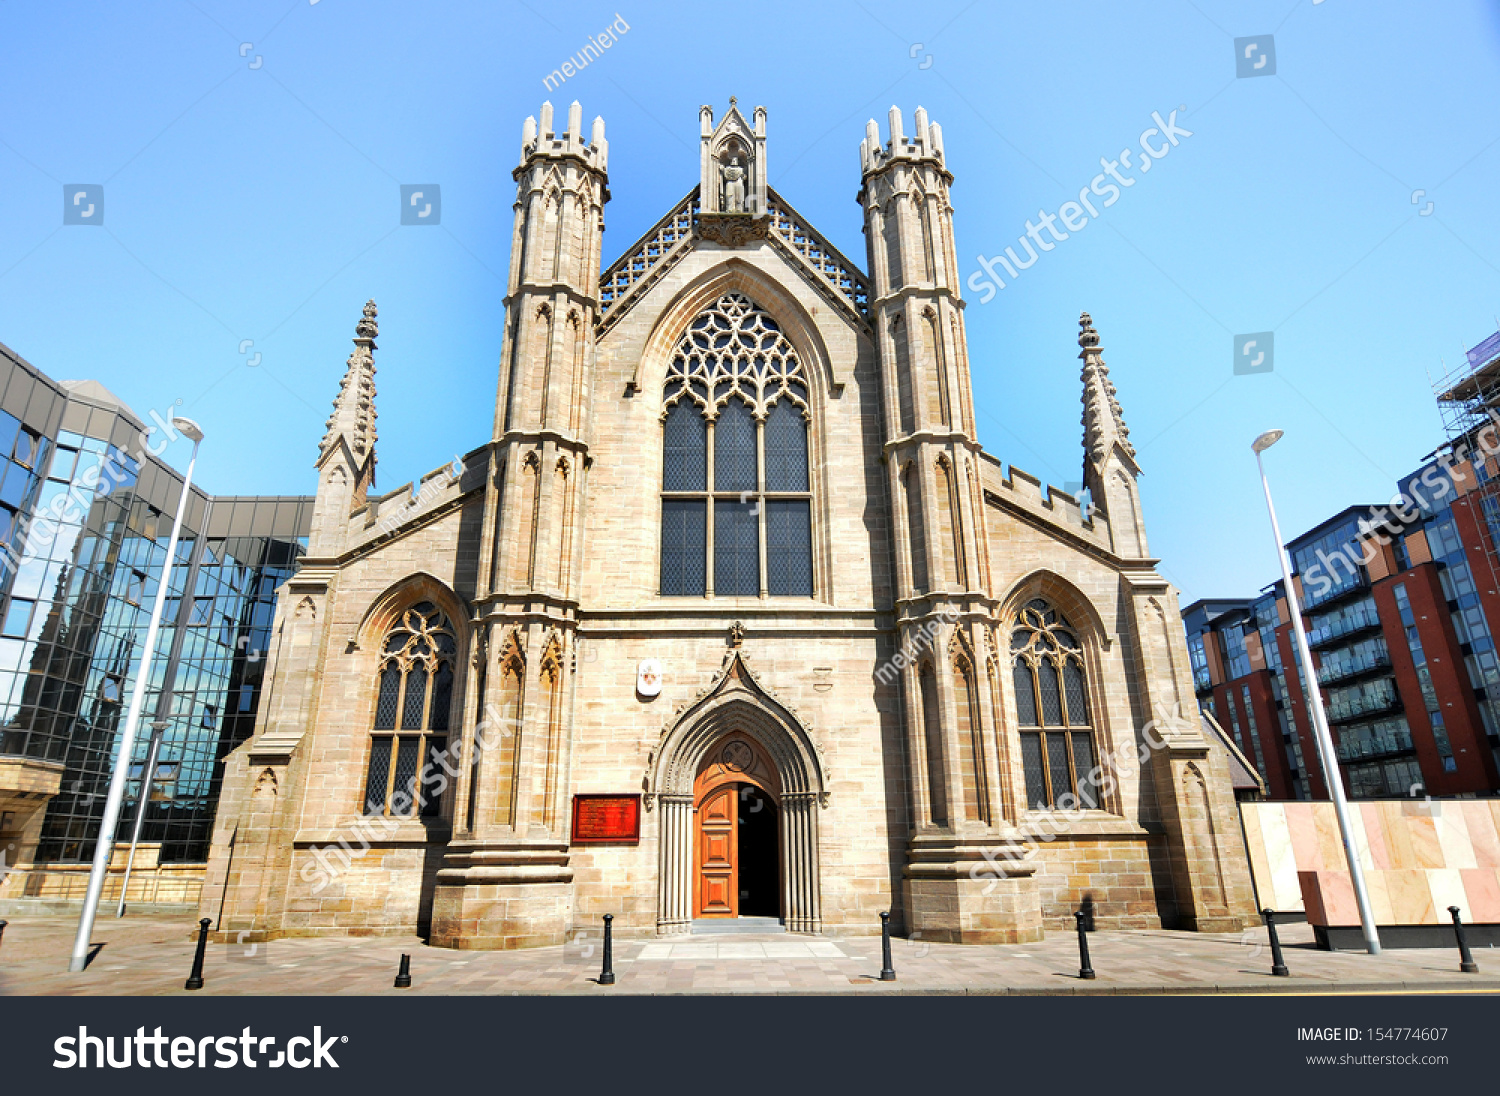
840 274
735 348
734 186
737 757
732 229
656 253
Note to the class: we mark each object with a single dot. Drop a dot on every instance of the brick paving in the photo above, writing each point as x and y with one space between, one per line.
152 954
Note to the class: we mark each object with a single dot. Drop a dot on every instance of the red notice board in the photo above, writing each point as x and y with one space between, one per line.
606 819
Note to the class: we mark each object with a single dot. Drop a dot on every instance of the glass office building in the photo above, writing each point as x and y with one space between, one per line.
86 514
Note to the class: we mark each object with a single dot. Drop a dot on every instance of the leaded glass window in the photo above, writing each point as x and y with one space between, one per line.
786 449
686 444
788 547
1057 741
683 544
736 549
734 435
415 689
734 449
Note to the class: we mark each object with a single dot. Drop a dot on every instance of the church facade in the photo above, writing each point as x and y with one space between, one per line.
732 617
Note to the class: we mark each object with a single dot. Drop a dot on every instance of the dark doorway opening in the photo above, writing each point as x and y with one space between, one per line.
759 854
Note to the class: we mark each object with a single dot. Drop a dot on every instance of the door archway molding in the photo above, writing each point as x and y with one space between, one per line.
736 702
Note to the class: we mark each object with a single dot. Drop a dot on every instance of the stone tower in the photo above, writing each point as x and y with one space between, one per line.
1186 779
944 602
506 874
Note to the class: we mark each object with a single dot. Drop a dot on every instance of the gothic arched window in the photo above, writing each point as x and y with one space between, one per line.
734 442
1057 741
413 706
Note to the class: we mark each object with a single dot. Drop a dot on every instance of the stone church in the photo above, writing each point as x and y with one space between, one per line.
732 618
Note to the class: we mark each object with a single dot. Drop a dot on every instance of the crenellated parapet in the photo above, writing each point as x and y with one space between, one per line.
540 142
925 145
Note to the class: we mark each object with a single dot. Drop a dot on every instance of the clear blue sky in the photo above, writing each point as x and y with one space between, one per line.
261 204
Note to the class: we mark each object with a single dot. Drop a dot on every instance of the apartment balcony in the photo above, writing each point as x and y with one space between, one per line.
1364 708
1317 639
1352 757
1329 676
1333 597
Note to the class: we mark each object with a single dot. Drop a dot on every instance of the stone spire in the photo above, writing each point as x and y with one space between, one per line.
353 418
1109 467
1103 421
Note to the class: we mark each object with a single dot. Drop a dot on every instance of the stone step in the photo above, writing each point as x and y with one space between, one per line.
712 925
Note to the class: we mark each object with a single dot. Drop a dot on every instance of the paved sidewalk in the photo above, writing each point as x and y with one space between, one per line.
150 955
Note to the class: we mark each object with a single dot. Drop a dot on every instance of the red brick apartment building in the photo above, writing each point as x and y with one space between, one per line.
1401 611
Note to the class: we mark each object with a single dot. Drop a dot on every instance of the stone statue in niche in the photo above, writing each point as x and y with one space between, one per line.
734 186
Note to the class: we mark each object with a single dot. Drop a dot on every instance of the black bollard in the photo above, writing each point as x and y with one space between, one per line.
887 972
1278 965
1085 970
1466 962
2 929
607 975
195 980
403 976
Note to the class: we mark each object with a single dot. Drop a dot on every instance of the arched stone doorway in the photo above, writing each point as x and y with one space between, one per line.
736 735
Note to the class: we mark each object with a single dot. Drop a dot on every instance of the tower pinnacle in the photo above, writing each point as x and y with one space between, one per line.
353 418
1103 420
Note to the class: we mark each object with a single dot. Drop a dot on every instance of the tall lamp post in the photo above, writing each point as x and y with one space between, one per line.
1331 774
143 796
113 803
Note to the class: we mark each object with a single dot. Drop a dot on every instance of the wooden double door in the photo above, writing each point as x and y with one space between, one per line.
738 853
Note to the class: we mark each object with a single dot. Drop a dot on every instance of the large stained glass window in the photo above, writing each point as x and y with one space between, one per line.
734 443
1057 740
413 706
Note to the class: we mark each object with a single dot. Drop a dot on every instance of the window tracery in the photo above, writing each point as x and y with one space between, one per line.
734 442
1057 740
413 707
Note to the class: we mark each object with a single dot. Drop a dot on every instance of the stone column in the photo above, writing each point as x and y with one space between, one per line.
675 875
799 852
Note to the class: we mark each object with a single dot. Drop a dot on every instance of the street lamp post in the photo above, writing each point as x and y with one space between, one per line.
113 803
148 777
1331 774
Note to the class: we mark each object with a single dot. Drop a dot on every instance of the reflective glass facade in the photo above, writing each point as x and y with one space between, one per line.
81 568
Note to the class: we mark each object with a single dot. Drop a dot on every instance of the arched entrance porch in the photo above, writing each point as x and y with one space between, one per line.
736 737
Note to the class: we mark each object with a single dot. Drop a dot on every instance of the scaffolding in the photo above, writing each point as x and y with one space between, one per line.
1468 400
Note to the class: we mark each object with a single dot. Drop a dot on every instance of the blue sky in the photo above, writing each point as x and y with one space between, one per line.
261 204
